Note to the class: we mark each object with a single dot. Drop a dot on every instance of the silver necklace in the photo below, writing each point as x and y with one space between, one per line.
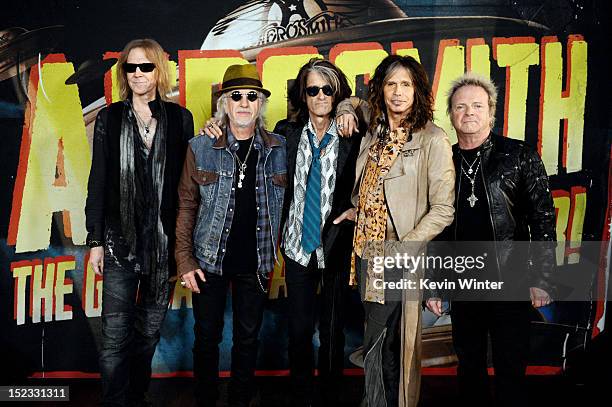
141 123
470 171
472 198
242 166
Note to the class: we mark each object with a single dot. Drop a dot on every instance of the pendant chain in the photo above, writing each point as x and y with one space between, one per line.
242 165
471 176
141 124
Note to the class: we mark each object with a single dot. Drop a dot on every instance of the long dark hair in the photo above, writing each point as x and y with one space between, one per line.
332 75
422 106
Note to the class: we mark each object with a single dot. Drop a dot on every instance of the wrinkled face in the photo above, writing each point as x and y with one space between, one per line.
399 92
244 112
141 83
321 104
470 113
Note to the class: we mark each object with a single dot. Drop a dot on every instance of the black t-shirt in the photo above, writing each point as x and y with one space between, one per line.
473 222
241 248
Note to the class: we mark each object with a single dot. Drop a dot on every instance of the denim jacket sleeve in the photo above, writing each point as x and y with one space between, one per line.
94 206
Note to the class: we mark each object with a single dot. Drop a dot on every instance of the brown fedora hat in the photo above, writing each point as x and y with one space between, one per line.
241 77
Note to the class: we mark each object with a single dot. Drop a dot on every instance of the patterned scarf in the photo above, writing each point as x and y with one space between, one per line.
127 187
371 227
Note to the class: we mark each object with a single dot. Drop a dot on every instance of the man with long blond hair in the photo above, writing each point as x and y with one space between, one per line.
138 152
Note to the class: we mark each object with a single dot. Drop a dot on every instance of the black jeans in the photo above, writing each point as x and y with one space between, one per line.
130 333
248 301
508 324
302 284
381 347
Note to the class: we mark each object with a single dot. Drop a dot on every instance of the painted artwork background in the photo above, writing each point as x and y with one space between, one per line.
554 93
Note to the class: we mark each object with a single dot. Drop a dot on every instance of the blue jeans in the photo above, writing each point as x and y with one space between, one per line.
131 320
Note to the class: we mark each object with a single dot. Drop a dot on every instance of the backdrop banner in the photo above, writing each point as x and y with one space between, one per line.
550 60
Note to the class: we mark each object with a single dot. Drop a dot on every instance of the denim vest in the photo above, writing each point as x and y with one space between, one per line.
216 167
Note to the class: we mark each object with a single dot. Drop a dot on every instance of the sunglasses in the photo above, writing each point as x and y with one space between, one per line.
251 96
144 67
313 91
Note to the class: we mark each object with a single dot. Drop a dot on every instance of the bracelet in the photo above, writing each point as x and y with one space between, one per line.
94 243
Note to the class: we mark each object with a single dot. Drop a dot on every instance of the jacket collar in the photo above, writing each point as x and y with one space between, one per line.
154 105
486 145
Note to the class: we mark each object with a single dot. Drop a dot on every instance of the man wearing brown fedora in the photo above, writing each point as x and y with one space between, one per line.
230 199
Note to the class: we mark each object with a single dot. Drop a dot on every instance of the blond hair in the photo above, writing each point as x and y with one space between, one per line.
156 54
474 79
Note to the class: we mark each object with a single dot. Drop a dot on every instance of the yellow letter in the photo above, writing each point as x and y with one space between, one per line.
277 66
516 54
53 120
357 59
405 48
477 58
576 223
21 271
199 71
278 288
557 104
63 286
92 291
562 204
42 290
449 66
181 293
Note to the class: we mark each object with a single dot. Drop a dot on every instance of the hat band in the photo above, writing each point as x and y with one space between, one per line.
233 83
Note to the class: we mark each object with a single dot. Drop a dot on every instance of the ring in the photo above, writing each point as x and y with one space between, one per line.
209 125
183 284
340 125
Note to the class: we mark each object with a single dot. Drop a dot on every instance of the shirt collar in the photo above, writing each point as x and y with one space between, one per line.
233 144
154 105
331 130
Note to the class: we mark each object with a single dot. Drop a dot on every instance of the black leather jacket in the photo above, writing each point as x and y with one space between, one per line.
520 207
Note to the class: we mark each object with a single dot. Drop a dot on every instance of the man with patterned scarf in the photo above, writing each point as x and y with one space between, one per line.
404 192
138 152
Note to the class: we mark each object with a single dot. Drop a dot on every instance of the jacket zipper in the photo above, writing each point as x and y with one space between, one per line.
457 200
484 183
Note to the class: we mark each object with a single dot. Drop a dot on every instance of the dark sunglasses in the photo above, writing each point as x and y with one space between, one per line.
313 91
237 96
144 67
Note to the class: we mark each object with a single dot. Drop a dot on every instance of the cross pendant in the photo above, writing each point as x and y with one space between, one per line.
472 200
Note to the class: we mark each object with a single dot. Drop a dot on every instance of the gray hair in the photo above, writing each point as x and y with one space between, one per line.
474 79
222 118
330 75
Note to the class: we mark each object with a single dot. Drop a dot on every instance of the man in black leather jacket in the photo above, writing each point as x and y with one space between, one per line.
502 195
